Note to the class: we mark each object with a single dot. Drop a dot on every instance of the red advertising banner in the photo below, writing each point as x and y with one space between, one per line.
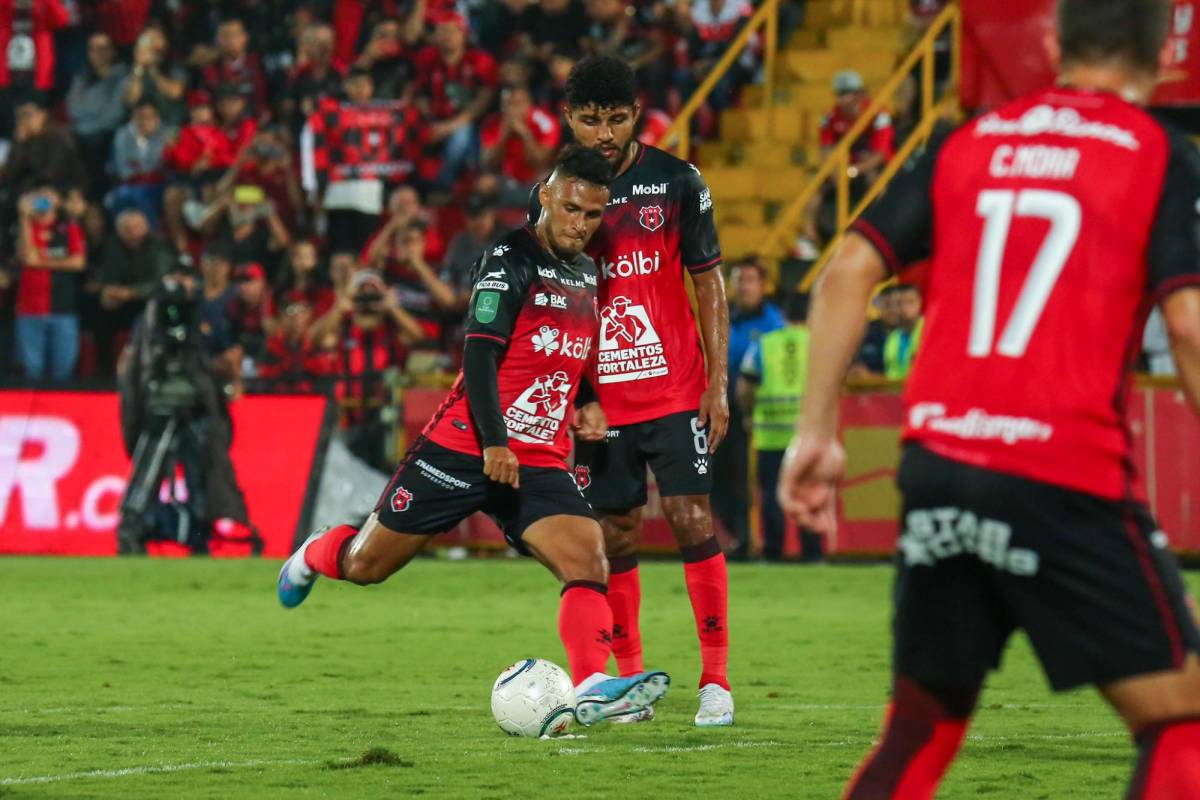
63 468
1005 54
1166 438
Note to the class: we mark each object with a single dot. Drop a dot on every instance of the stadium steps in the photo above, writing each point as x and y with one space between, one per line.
760 161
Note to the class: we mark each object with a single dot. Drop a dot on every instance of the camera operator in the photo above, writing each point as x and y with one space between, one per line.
371 333
175 413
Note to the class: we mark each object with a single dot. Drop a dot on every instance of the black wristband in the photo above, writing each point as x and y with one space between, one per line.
586 393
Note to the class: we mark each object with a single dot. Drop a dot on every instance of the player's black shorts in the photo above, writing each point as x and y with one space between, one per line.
612 473
981 554
435 489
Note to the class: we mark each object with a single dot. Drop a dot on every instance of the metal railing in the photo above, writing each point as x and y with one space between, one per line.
766 18
837 163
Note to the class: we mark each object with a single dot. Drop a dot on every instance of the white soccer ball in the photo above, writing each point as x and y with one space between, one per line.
533 698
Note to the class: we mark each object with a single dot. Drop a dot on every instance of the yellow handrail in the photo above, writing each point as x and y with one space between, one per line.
678 136
839 158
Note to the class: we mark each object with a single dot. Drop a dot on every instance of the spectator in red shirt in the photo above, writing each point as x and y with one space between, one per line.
291 354
300 280
519 142
51 251
399 253
27 45
236 66
868 154
372 332
456 84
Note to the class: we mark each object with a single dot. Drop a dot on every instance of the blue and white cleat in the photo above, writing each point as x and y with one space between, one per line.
295 578
601 698
716 707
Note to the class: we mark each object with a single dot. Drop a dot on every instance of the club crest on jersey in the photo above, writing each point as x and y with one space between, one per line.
401 499
583 476
652 218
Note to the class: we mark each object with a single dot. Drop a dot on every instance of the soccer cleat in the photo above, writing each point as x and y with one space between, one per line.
716 707
295 578
610 698
645 715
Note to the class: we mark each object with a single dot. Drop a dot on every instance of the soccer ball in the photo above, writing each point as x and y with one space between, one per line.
533 698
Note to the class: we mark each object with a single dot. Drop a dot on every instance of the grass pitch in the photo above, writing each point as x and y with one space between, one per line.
181 679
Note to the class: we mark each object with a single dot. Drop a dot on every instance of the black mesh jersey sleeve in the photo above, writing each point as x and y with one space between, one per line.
481 369
900 223
699 247
1173 252
500 283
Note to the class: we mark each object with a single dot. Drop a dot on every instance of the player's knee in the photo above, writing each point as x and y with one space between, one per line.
621 532
585 561
364 570
690 518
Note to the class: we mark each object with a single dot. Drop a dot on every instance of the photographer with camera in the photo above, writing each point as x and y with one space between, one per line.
175 417
51 251
372 334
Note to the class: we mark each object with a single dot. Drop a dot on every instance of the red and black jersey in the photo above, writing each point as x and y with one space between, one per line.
543 311
1054 224
52 291
381 139
452 87
659 222
365 354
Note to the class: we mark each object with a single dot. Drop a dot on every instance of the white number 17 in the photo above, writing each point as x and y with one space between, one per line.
998 207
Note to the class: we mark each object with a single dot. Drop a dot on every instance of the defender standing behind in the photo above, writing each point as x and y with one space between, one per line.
665 407
1054 225
499 442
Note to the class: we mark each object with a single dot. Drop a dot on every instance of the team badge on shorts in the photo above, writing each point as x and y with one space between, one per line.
401 499
652 218
583 476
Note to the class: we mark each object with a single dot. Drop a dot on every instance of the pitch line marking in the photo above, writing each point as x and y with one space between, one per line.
155 770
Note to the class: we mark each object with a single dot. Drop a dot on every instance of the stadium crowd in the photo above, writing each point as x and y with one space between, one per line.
331 168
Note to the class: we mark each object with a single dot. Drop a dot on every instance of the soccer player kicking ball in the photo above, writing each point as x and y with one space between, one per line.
500 440
1053 224
663 409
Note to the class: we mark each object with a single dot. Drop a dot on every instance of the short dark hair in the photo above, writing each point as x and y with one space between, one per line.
147 102
1099 30
602 81
584 163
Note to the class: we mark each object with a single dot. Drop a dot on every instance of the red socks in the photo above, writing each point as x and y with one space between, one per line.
625 598
708 588
1168 765
324 556
921 736
585 627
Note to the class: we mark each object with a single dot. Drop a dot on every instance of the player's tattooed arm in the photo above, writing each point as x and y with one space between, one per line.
714 329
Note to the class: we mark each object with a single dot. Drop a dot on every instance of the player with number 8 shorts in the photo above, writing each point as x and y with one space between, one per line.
1052 226
662 386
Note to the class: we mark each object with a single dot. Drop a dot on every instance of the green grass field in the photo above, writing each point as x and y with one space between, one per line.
173 679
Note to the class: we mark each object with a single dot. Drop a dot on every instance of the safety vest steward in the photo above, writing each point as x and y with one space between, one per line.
784 377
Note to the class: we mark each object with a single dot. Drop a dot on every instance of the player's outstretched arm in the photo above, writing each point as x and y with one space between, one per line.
814 461
714 329
1181 310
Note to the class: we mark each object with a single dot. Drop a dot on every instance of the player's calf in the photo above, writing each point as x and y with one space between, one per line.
922 733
